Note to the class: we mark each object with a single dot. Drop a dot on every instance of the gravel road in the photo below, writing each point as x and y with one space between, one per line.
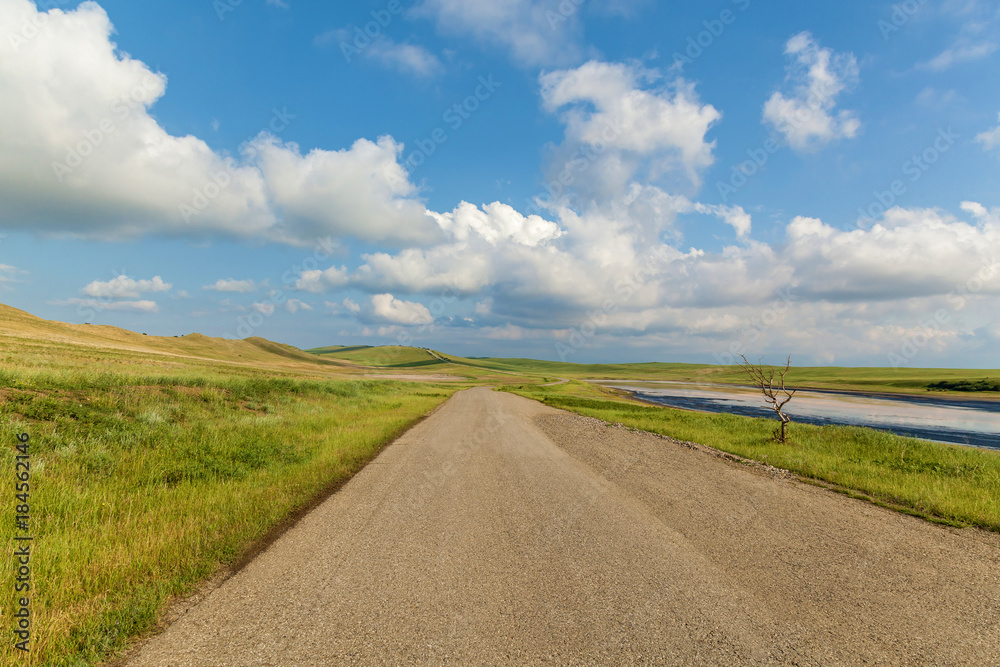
499 531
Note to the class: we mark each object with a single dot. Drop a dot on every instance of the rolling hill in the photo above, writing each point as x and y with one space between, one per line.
26 335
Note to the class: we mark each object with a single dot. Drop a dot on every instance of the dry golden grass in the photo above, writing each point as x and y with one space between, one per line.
21 329
157 461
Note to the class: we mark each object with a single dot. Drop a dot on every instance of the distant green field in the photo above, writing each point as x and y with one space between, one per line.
890 380
421 362
385 356
876 380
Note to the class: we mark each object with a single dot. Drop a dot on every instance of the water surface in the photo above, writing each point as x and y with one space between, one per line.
957 421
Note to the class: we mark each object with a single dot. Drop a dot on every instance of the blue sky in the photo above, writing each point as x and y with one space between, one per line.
588 180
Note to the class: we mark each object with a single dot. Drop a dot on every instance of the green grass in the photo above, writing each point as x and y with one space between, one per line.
402 359
142 487
876 380
157 461
55 360
953 484
385 356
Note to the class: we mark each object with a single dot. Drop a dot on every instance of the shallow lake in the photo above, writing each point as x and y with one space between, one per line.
958 421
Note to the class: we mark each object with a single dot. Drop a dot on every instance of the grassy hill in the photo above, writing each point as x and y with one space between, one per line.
32 342
384 356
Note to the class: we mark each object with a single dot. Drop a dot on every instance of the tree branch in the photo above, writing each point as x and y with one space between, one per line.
755 373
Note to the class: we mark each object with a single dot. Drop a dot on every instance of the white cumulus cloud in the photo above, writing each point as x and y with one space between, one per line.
807 118
122 287
495 223
90 159
318 281
387 308
612 105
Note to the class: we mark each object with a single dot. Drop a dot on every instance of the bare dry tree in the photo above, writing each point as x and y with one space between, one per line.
776 396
